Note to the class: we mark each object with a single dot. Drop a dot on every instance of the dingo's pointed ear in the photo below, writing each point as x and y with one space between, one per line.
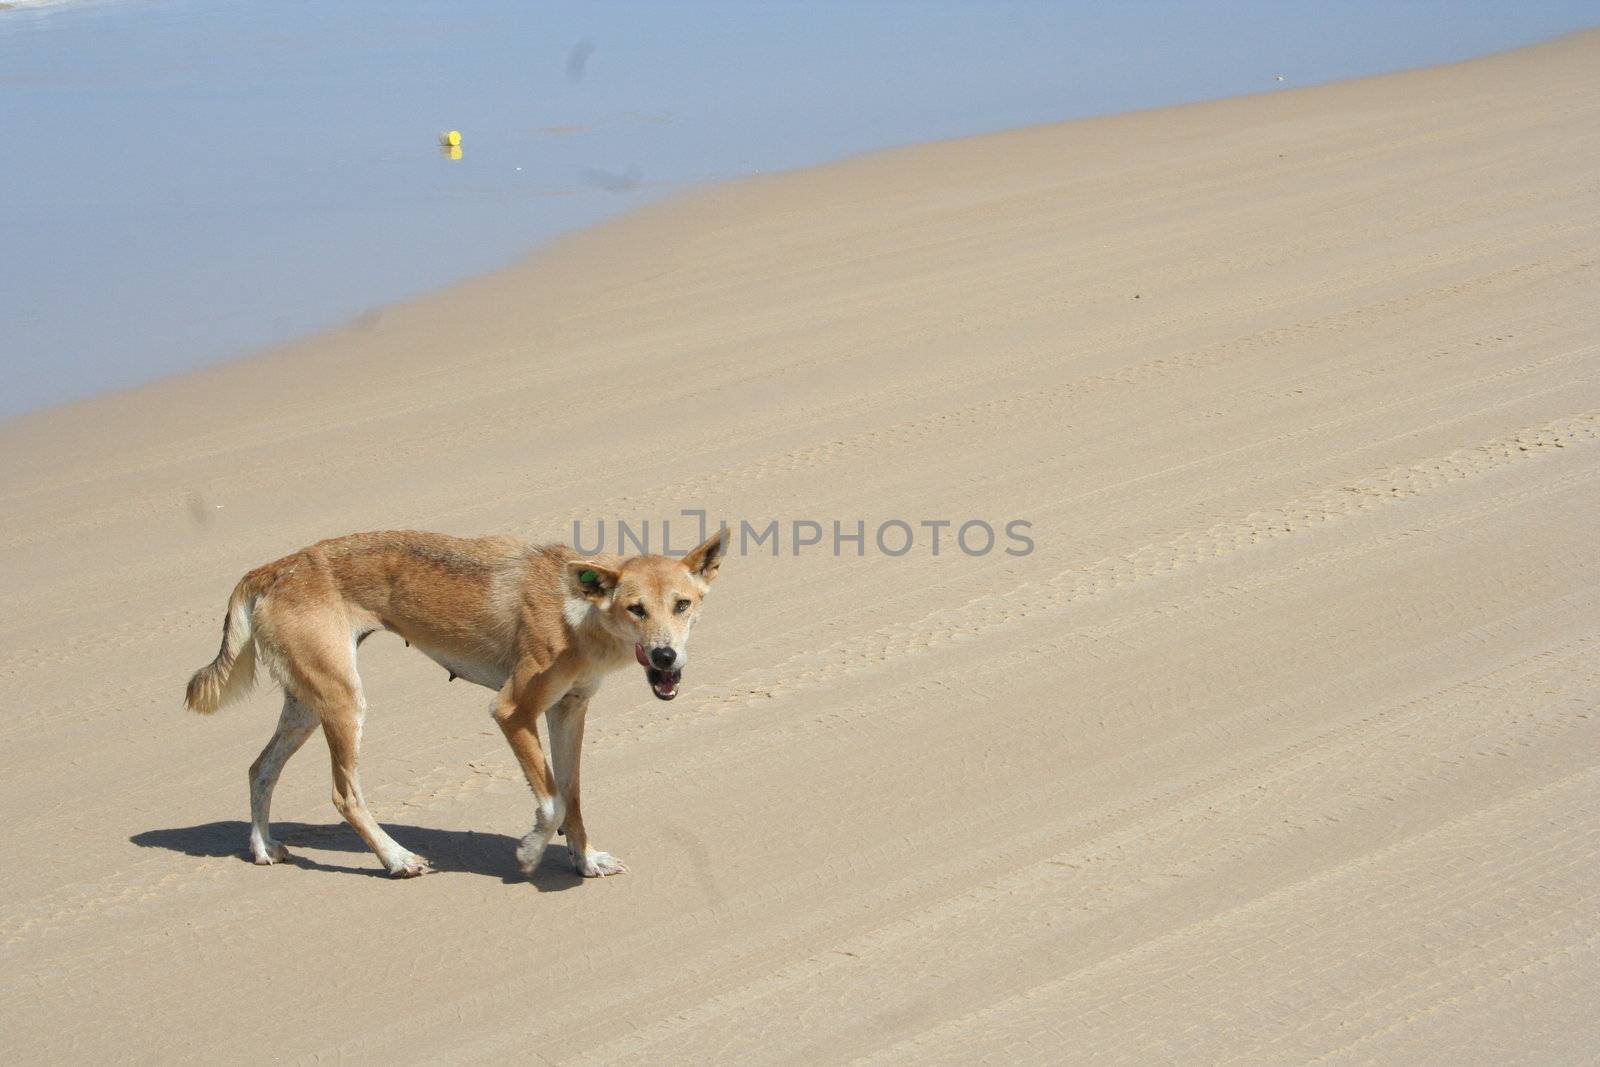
590 580
704 561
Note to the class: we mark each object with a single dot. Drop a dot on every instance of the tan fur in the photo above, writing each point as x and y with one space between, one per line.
539 625
229 676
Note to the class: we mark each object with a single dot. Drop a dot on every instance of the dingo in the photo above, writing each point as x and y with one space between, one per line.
541 625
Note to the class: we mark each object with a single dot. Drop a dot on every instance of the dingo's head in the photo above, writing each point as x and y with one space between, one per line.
652 601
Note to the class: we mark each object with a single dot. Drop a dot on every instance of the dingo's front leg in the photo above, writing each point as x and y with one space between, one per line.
566 753
517 713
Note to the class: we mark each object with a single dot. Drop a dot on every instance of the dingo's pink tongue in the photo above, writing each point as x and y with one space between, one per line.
664 684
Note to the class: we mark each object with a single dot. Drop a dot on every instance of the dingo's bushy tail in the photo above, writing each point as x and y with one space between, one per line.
229 676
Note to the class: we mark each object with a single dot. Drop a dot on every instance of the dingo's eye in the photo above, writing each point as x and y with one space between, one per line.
680 607
637 609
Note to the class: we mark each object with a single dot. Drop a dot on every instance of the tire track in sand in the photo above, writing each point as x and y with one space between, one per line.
984 614
1096 865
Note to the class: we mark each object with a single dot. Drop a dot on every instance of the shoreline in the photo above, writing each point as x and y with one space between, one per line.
554 246
466 307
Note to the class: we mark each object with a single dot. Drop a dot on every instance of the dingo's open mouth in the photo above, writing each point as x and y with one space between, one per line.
664 684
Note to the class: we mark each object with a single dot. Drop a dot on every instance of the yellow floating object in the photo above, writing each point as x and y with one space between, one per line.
452 139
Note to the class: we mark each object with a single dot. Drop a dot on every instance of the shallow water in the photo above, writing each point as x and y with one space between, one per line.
186 181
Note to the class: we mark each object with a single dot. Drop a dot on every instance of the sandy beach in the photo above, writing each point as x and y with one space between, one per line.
1279 745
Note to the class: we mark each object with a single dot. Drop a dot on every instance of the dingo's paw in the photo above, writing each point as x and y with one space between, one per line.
530 851
598 864
410 865
269 853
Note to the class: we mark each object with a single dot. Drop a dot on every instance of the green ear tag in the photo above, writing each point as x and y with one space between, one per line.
588 577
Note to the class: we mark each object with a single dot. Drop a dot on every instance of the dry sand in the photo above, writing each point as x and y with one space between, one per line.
1281 745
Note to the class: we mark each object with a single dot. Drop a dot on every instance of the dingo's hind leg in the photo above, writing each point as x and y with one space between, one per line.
318 653
341 724
294 726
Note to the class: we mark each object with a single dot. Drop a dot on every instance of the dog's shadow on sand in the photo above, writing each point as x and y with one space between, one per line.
449 851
